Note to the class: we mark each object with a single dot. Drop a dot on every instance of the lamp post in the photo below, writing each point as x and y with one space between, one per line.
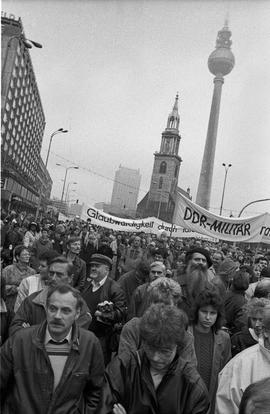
58 131
67 192
65 178
252 202
224 185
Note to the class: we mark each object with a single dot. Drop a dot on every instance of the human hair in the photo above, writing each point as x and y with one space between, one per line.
63 289
262 289
209 296
164 290
255 305
63 260
48 256
262 258
256 398
240 280
73 239
162 326
19 249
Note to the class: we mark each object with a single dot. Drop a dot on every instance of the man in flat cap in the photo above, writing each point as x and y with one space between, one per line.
106 301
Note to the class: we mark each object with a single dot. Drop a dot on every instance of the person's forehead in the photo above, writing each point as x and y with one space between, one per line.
43 262
257 314
157 268
63 300
198 256
59 267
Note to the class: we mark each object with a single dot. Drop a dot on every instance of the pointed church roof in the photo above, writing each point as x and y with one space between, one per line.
174 118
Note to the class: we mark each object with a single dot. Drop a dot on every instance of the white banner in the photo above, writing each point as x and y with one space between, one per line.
147 225
195 218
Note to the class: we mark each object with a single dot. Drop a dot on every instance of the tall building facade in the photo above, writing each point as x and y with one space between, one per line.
125 191
23 123
160 200
220 63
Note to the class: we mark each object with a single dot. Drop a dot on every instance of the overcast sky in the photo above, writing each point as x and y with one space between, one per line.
109 72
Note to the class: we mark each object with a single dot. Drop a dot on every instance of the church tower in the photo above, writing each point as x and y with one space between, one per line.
160 200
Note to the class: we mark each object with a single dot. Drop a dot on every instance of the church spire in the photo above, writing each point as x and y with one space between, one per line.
174 118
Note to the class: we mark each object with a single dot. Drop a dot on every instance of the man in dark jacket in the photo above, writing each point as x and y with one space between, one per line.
155 379
79 265
32 311
54 367
106 301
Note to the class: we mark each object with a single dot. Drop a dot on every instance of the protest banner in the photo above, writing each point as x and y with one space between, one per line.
146 225
190 216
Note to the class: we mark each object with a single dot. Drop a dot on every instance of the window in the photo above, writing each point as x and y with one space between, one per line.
163 168
160 183
176 171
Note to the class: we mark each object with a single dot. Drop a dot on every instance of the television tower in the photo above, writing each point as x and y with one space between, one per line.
220 63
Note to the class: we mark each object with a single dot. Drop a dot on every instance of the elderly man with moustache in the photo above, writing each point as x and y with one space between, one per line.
32 311
55 367
106 301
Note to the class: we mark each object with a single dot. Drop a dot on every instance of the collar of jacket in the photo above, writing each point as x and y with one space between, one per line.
41 297
218 339
39 336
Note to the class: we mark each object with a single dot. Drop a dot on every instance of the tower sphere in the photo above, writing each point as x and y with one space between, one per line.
221 61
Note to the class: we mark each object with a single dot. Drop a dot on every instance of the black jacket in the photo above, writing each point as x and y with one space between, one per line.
27 377
129 382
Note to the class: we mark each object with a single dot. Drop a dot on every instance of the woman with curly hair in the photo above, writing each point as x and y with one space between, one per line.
212 345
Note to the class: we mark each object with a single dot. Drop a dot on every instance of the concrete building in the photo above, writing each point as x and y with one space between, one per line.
125 192
160 200
23 123
220 63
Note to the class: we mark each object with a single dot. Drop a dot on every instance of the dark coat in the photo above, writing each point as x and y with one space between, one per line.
235 318
33 311
108 334
112 292
79 276
129 382
27 378
242 340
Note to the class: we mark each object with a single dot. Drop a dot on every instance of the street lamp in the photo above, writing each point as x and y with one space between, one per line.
252 202
58 131
67 192
224 185
26 42
65 178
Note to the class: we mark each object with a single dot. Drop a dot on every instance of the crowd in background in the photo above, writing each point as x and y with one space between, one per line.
180 325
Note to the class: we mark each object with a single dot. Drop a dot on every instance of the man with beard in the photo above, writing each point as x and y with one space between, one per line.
33 309
195 276
106 301
55 367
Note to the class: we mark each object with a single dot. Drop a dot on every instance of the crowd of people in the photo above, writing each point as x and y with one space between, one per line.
99 321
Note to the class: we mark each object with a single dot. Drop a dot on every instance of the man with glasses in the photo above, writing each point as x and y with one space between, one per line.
33 309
